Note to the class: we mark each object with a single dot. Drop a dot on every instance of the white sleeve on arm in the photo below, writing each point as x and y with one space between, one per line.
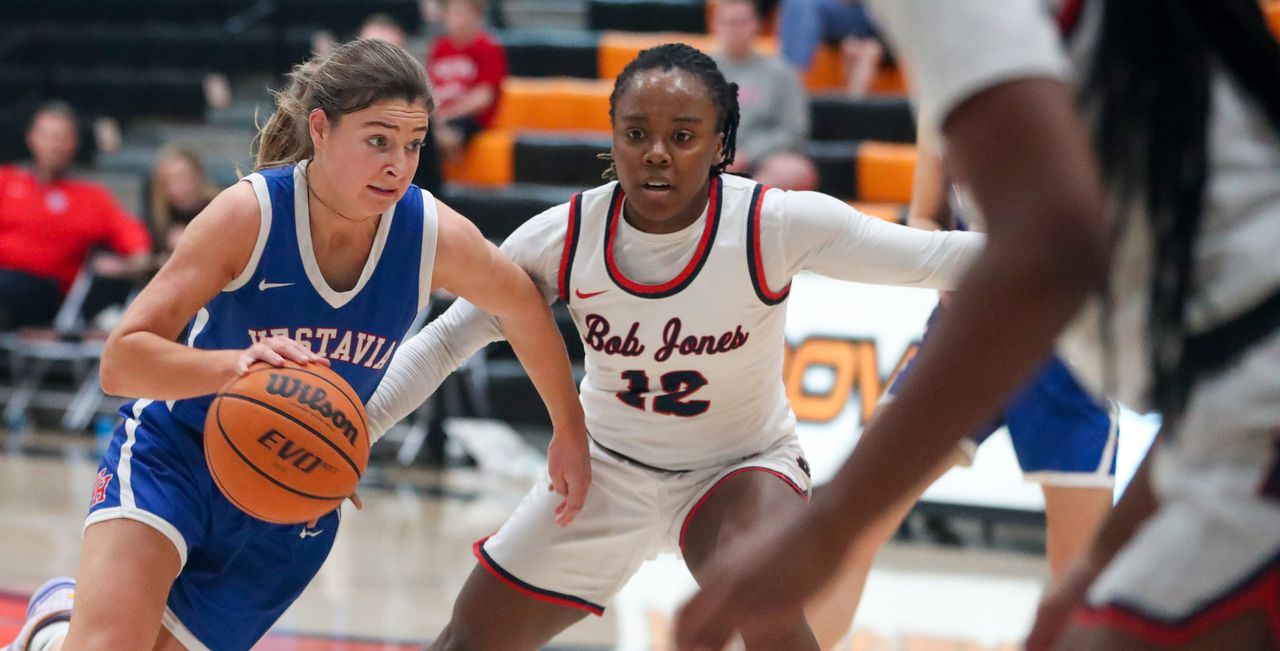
426 359
822 234
954 49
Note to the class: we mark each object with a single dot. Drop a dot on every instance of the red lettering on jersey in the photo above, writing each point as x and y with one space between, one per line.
597 339
692 345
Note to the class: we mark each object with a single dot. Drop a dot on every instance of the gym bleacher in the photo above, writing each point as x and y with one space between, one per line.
145 64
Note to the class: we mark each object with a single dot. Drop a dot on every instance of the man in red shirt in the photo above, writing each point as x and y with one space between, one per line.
49 223
467 66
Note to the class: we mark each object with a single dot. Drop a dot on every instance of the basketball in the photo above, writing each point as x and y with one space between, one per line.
287 444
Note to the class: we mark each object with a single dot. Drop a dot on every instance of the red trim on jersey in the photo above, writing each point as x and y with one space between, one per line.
688 519
1069 16
570 246
1261 593
695 263
762 283
527 589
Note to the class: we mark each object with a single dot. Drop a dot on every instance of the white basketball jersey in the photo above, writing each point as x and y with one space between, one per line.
684 374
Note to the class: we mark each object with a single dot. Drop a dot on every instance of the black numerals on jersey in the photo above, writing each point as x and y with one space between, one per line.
676 387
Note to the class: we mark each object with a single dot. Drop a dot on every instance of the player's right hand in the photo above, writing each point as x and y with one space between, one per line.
274 351
569 466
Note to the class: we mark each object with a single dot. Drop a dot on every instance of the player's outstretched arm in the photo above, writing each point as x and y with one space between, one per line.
422 362
142 359
471 267
825 235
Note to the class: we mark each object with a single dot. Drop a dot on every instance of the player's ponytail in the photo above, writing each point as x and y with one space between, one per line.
352 77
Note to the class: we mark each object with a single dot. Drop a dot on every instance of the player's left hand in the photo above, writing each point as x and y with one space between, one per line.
760 590
569 465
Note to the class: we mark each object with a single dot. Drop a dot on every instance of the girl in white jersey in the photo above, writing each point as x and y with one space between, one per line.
677 278
1185 100
328 233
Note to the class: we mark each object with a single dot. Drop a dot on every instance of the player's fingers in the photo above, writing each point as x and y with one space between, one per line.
558 483
264 353
312 523
356 501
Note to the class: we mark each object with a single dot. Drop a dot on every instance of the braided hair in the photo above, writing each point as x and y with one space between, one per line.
678 56
1150 88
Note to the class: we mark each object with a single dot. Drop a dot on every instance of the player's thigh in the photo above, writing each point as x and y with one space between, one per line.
1073 515
738 509
492 616
126 569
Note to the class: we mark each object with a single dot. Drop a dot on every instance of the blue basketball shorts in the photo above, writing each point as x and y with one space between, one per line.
239 574
1061 434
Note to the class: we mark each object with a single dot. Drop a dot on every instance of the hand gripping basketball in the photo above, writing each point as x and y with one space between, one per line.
287 444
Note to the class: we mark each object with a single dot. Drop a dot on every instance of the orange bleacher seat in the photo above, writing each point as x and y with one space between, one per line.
1272 12
826 73
489 160
890 212
555 103
617 49
884 171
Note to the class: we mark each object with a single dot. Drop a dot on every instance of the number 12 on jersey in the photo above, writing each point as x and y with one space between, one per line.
676 387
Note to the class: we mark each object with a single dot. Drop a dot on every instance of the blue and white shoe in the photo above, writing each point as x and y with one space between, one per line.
50 603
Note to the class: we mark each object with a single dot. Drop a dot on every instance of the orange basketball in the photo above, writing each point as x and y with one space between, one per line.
287 444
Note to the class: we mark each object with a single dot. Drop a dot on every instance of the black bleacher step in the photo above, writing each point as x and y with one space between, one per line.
499 211
133 159
341 16
26 12
564 160
689 16
110 90
886 119
551 52
204 46
344 17
837 164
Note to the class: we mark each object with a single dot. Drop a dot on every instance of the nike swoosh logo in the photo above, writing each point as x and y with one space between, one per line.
264 285
579 294
308 533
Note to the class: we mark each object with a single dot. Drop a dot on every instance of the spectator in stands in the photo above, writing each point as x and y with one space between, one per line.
467 66
49 223
804 24
179 191
775 109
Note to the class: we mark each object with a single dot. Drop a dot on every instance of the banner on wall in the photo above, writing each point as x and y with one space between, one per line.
845 344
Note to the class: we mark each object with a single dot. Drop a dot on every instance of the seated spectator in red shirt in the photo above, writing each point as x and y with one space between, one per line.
467 66
49 223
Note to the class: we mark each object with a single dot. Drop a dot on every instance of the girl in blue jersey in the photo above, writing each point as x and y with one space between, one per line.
324 255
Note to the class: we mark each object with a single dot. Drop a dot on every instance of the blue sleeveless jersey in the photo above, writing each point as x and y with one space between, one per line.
282 292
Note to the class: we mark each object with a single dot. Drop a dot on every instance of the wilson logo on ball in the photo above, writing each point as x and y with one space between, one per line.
301 458
313 398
